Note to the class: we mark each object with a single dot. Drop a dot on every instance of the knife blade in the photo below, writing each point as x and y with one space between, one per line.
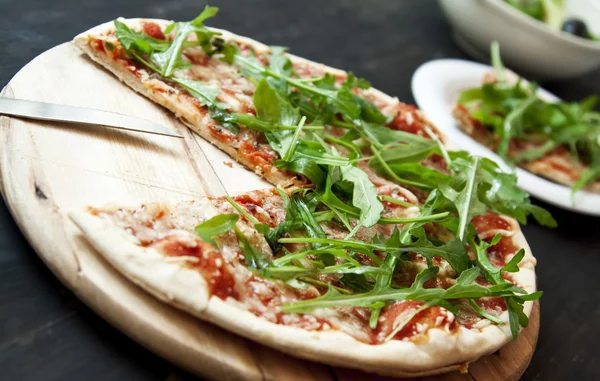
74 114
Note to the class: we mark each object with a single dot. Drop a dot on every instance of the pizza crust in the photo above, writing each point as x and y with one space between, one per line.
439 352
146 267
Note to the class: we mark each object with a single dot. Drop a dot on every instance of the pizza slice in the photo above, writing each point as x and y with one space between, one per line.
557 140
217 98
255 265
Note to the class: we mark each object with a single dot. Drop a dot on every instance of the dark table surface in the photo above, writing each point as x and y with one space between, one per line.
46 333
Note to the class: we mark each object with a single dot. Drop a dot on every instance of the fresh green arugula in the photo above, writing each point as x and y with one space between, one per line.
254 258
466 200
216 225
513 296
364 195
454 252
464 288
133 41
170 60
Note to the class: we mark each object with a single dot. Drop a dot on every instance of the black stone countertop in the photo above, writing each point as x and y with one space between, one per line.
46 333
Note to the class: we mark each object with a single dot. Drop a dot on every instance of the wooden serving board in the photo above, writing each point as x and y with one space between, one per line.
48 169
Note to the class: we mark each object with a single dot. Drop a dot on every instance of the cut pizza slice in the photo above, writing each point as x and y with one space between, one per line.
218 98
557 165
278 270
557 140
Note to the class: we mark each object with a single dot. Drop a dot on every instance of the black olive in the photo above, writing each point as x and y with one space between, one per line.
576 27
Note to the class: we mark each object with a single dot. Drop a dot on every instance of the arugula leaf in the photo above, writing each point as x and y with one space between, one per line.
373 298
278 62
516 316
313 150
207 96
206 13
470 95
537 152
341 98
305 216
226 51
418 174
304 166
383 168
483 313
466 199
254 123
541 215
293 144
216 225
499 191
468 276
289 272
509 122
512 265
493 274
364 195
170 60
405 153
497 62
587 176
354 82
242 211
166 62
138 41
590 174
272 108
382 136
455 251
252 256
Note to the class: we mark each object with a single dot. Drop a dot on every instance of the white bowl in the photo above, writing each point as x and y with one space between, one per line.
526 45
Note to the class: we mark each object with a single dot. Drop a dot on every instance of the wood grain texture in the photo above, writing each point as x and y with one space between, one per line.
48 169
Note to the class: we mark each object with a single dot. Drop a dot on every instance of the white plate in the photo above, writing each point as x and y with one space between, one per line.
436 86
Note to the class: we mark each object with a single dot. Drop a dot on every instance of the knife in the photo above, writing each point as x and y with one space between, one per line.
73 114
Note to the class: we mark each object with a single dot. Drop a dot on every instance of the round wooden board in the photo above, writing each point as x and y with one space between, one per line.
48 169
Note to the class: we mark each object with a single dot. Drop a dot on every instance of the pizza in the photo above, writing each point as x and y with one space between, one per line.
379 249
559 141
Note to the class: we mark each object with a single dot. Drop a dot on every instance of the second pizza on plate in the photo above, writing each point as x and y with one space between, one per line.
380 250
